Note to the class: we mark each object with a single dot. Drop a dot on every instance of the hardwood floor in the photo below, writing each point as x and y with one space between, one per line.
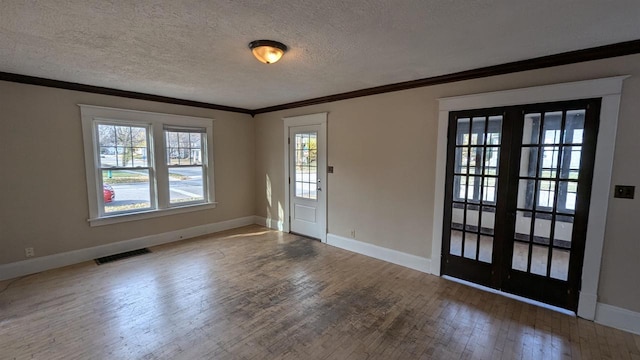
253 293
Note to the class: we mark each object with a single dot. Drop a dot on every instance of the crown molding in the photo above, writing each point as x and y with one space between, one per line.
32 80
566 58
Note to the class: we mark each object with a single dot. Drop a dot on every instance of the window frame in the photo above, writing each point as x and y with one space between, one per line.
92 115
203 164
99 168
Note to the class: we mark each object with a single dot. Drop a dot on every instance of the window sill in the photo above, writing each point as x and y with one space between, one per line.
114 219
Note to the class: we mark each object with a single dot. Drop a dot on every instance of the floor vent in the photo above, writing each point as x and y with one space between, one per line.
124 255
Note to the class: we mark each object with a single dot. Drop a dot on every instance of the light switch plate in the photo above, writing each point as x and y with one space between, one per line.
624 191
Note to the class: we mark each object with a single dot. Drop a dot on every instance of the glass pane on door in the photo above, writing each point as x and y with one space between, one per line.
475 177
547 189
306 165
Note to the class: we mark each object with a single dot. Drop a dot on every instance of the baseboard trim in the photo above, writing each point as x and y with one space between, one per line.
31 266
381 253
618 318
270 223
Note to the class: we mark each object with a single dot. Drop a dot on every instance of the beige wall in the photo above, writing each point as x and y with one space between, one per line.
43 191
383 148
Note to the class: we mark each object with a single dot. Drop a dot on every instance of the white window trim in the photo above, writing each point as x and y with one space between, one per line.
609 89
91 114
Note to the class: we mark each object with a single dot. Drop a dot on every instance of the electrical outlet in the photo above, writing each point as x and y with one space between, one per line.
28 252
353 234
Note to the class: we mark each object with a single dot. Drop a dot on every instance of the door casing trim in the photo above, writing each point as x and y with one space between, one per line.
609 89
311 119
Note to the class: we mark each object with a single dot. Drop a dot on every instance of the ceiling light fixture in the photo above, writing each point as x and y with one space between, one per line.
267 51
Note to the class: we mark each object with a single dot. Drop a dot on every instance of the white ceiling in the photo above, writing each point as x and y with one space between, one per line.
197 50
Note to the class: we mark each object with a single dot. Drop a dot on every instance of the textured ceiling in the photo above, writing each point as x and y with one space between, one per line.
197 50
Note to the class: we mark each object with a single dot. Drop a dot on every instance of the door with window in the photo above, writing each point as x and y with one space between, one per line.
307 174
517 197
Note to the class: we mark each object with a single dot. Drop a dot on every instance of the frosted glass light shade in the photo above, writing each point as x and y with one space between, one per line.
267 51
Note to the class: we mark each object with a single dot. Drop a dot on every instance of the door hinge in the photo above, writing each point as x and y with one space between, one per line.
288 140
289 180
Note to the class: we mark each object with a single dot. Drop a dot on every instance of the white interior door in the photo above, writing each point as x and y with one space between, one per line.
307 180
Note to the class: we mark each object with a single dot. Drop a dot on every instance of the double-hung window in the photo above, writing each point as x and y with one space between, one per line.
142 164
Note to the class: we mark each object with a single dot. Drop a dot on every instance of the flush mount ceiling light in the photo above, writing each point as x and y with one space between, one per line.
267 51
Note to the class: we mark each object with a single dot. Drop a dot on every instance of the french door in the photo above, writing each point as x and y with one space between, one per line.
517 197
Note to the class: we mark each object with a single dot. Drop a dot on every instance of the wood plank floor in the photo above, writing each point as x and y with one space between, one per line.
253 293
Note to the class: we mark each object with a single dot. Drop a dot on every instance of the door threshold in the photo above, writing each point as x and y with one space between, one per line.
304 236
511 296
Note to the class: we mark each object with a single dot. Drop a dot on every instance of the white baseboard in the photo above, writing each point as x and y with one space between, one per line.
31 266
619 318
381 253
270 223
